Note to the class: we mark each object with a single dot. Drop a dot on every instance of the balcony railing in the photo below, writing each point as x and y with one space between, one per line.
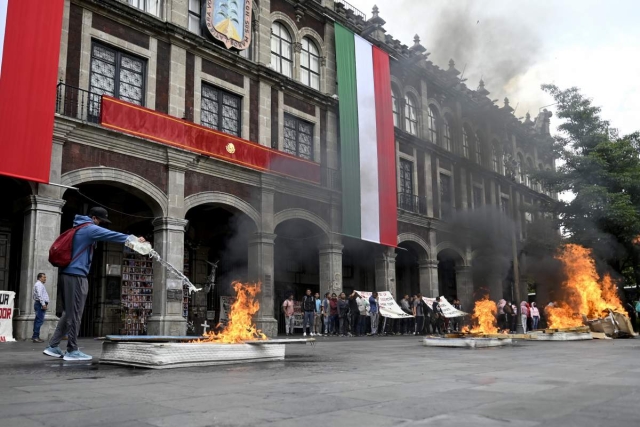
353 9
411 203
78 103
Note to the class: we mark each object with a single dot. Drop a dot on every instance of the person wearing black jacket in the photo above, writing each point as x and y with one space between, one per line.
438 317
309 309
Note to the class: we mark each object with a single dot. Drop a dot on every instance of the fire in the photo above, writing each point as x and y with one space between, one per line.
240 327
584 292
484 317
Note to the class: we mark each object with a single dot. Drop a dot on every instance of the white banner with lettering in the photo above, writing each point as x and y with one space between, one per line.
6 316
388 305
448 310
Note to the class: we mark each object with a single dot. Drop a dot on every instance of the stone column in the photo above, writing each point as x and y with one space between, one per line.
429 286
41 228
168 237
261 254
386 270
464 287
330 268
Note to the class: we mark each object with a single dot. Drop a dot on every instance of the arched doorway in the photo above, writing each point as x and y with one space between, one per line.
11 231
296 261
217 233
408 260
120 281
448 263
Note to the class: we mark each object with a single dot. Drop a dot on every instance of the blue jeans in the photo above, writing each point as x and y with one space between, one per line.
536 320
362 324
37 324
334 324
308 321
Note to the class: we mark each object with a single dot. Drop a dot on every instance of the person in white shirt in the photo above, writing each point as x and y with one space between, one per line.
40 305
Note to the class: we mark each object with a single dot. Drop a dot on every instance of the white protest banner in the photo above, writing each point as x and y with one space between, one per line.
6 316
448 310
388 305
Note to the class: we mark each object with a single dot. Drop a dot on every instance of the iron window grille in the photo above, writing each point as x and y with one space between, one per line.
396 108
310 64
298 137
477 197
406 176
195 10
115 73
465 142
478 150
220 110
496 163
281 50
446 205
410 115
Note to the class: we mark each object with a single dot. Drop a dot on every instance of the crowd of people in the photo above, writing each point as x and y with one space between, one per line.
508 316
355 316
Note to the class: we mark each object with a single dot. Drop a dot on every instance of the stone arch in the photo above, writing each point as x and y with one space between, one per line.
296 213
448 245
140 186
289 25
317 39
414 92
412 237
217 197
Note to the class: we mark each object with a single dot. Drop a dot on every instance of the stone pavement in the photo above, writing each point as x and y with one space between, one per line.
367 382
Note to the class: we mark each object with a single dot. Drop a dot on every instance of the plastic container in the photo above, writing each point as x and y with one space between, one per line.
141 248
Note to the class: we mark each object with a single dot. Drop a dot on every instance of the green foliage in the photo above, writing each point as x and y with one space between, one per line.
602 170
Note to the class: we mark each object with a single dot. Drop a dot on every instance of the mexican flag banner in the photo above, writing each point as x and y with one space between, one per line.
369 205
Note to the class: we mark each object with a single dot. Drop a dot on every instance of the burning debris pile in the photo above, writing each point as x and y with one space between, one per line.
483 317
240 327
584 294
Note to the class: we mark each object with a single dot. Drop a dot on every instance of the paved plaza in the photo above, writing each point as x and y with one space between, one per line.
370 382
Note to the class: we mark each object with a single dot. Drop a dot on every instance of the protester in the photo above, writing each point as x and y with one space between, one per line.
287 309
502 315
529 319
374 312
343 314
514 318
309 308
509 315
354 314
363 308
535 316
524 312
326 316
438 317
40 305
317 321
456 320
418 312
334 317
74 283
407 322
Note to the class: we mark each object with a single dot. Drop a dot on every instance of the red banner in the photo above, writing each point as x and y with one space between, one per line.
143 122
30 55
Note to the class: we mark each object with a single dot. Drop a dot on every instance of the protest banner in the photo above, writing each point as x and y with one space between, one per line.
388 305
448 310
6 316
298 315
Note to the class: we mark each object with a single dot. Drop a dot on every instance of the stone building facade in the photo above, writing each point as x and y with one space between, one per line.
455 152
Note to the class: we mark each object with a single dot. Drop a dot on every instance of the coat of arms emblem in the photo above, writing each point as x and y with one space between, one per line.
229 21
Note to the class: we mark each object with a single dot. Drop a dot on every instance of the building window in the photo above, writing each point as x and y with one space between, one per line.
494 157
478 200
310 64
465 142
194 17
406 176
521 174
446 134
281 52
395 102
446 200
432 124
153 7
220 110
410 115
298 137
478 150
504 204
115 73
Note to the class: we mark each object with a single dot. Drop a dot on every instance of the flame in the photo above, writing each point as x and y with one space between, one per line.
240 327
636 240
585 294
484 317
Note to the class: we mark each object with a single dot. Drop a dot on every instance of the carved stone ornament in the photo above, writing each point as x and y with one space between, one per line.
229 22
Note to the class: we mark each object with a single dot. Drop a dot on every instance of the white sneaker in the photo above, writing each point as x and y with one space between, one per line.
312 334
304 334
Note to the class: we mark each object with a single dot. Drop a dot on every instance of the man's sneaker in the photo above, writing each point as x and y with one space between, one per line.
53 352
76 355
304 334
37 340
312 334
